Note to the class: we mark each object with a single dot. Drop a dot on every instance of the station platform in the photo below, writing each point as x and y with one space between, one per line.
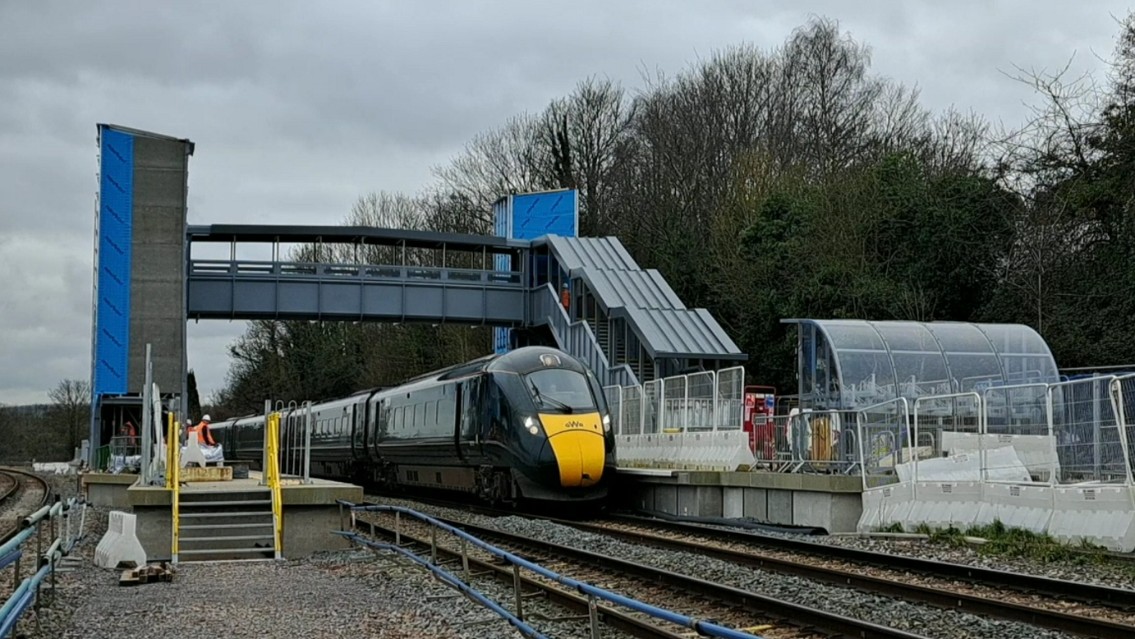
310 510
831 502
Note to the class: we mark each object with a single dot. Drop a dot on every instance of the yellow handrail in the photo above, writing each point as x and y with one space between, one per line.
272 434
173 482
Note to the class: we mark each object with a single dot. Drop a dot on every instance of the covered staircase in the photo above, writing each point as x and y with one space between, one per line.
625 322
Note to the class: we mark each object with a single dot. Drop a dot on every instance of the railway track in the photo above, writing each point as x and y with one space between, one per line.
1072 607
734 607
21 494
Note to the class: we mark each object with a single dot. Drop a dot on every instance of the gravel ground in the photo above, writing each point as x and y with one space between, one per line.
925 620
355 593
1114 573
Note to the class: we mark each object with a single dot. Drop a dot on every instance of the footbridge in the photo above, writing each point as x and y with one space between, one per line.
626 322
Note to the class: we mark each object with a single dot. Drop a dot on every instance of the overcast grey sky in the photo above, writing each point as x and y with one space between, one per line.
299 108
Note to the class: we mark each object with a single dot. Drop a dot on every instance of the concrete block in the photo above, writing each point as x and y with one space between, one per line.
846 511
709 501
812 509
666 499
780 506
688 501
756 503
733 502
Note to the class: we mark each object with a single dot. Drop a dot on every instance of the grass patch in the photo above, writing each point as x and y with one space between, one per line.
1003 541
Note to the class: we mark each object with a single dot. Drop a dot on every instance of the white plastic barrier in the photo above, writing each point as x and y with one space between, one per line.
1100 514
720 450
193 452
885 505
120 543
1017 506
1037 452
943 504
1002 464
56 468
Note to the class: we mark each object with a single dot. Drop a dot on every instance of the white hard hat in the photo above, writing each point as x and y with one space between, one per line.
206 419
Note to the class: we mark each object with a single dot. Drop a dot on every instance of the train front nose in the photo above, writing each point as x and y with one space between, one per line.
578 446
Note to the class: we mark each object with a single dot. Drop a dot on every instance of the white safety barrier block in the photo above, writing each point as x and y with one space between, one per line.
1002 464
120 543
1027 506
1100 514
885 505
941 504
191 453
1037 452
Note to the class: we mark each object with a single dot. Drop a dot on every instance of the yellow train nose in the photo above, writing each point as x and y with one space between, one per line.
579 456
578 445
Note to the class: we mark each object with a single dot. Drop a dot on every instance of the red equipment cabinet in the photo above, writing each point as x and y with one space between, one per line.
760 405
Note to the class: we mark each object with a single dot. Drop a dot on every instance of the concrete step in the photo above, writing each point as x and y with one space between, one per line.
213 504
255 513
196 496
269 538
222 553
267 524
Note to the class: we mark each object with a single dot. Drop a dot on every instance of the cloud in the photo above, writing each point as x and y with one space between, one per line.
297 109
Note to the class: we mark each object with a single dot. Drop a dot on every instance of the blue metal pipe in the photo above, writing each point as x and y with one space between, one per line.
20 599
449 578
703 627
9 558
16 542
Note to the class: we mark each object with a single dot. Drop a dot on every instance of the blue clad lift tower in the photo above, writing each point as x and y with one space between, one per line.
139 279
530 216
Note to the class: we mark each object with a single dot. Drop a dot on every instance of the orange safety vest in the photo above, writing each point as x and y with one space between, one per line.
565 299
204 436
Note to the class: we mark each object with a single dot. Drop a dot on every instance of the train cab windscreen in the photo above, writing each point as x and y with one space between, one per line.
559 390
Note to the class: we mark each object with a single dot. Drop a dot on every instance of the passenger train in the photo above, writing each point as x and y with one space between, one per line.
530 425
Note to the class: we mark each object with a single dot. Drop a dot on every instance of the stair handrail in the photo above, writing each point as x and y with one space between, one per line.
173 483
563 328
272 435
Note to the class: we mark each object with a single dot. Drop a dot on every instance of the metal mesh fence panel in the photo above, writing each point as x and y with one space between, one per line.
673 414
651 401
699 410
936 416
729 411
1016 410
883 440
1086 432
630 417
823 441
1123 402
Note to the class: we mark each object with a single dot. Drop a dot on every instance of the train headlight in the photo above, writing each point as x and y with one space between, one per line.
607 422
532 425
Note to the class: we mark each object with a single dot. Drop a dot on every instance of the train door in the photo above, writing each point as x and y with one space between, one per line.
469 440
359 435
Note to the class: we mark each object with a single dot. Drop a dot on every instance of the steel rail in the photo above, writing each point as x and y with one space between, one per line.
19 477
789 613
608 615
940 597
1118 598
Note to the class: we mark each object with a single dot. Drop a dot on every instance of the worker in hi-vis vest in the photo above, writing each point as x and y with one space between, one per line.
201 430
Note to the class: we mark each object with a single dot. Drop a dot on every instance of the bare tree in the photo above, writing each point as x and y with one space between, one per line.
72 407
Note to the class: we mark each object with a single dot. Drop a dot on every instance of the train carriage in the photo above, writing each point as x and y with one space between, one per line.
529 424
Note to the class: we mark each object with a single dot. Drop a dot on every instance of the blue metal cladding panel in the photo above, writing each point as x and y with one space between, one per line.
112 283
502 223
538 214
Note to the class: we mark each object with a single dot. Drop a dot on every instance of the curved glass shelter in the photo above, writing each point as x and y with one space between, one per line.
852 364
